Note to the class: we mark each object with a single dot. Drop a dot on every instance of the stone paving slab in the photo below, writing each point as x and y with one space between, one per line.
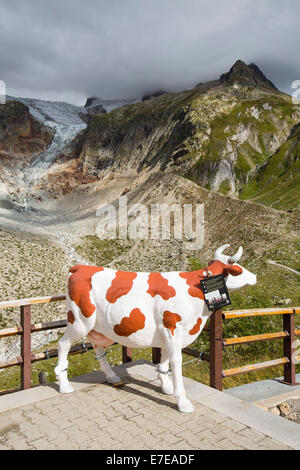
262 390
136 416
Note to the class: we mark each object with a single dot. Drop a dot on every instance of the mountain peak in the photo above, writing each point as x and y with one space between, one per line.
247 75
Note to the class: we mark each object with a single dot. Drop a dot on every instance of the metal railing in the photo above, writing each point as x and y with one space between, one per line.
215 328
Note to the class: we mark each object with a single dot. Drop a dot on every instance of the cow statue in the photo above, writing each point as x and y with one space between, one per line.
141 310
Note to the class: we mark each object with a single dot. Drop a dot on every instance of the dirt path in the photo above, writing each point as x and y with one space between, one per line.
270 261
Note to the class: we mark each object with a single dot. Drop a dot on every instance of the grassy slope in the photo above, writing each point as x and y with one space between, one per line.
249 152
277 182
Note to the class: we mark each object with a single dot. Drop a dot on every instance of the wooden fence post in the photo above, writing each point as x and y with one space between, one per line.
26 347
289 349
126 354
216 346
156 353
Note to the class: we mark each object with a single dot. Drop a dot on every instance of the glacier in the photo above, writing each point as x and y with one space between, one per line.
65 120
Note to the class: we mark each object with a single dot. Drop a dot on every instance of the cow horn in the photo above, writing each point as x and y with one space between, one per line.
235 258
219 251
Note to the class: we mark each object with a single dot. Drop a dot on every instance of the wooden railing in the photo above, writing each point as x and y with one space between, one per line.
288 335
217 342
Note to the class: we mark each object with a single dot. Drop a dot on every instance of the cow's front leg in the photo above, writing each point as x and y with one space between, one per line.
163 373
174 347
111 377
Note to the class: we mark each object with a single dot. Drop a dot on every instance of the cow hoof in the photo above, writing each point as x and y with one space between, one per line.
185 406
119 384
115 381
66 389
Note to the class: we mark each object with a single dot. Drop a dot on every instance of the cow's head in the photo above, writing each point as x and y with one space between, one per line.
235 275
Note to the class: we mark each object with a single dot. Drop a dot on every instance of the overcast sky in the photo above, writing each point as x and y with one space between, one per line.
71 49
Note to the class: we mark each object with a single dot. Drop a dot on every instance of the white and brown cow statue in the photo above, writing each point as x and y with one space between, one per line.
141 310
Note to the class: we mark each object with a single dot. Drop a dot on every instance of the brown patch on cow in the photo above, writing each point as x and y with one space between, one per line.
218 267
170 319
131 324
193 280
80 285
196 327
121 285
98 339
158 285
71 318
232 269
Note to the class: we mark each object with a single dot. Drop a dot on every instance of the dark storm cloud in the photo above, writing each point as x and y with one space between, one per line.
70 49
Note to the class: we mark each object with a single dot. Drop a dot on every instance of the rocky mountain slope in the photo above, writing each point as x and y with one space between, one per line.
22 137
276 182
218 134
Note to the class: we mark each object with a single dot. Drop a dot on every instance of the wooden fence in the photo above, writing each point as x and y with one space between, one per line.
215 328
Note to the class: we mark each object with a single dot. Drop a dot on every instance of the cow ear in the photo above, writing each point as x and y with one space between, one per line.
232 269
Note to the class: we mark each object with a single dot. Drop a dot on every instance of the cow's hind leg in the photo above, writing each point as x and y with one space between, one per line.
100 343
163 373
173 342
61 370
111 377
74 331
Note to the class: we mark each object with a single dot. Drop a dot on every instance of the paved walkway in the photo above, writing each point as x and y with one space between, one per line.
136 416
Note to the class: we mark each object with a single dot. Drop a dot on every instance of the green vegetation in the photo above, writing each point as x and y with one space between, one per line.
194 264
277 181
102 252
247 129
225 187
